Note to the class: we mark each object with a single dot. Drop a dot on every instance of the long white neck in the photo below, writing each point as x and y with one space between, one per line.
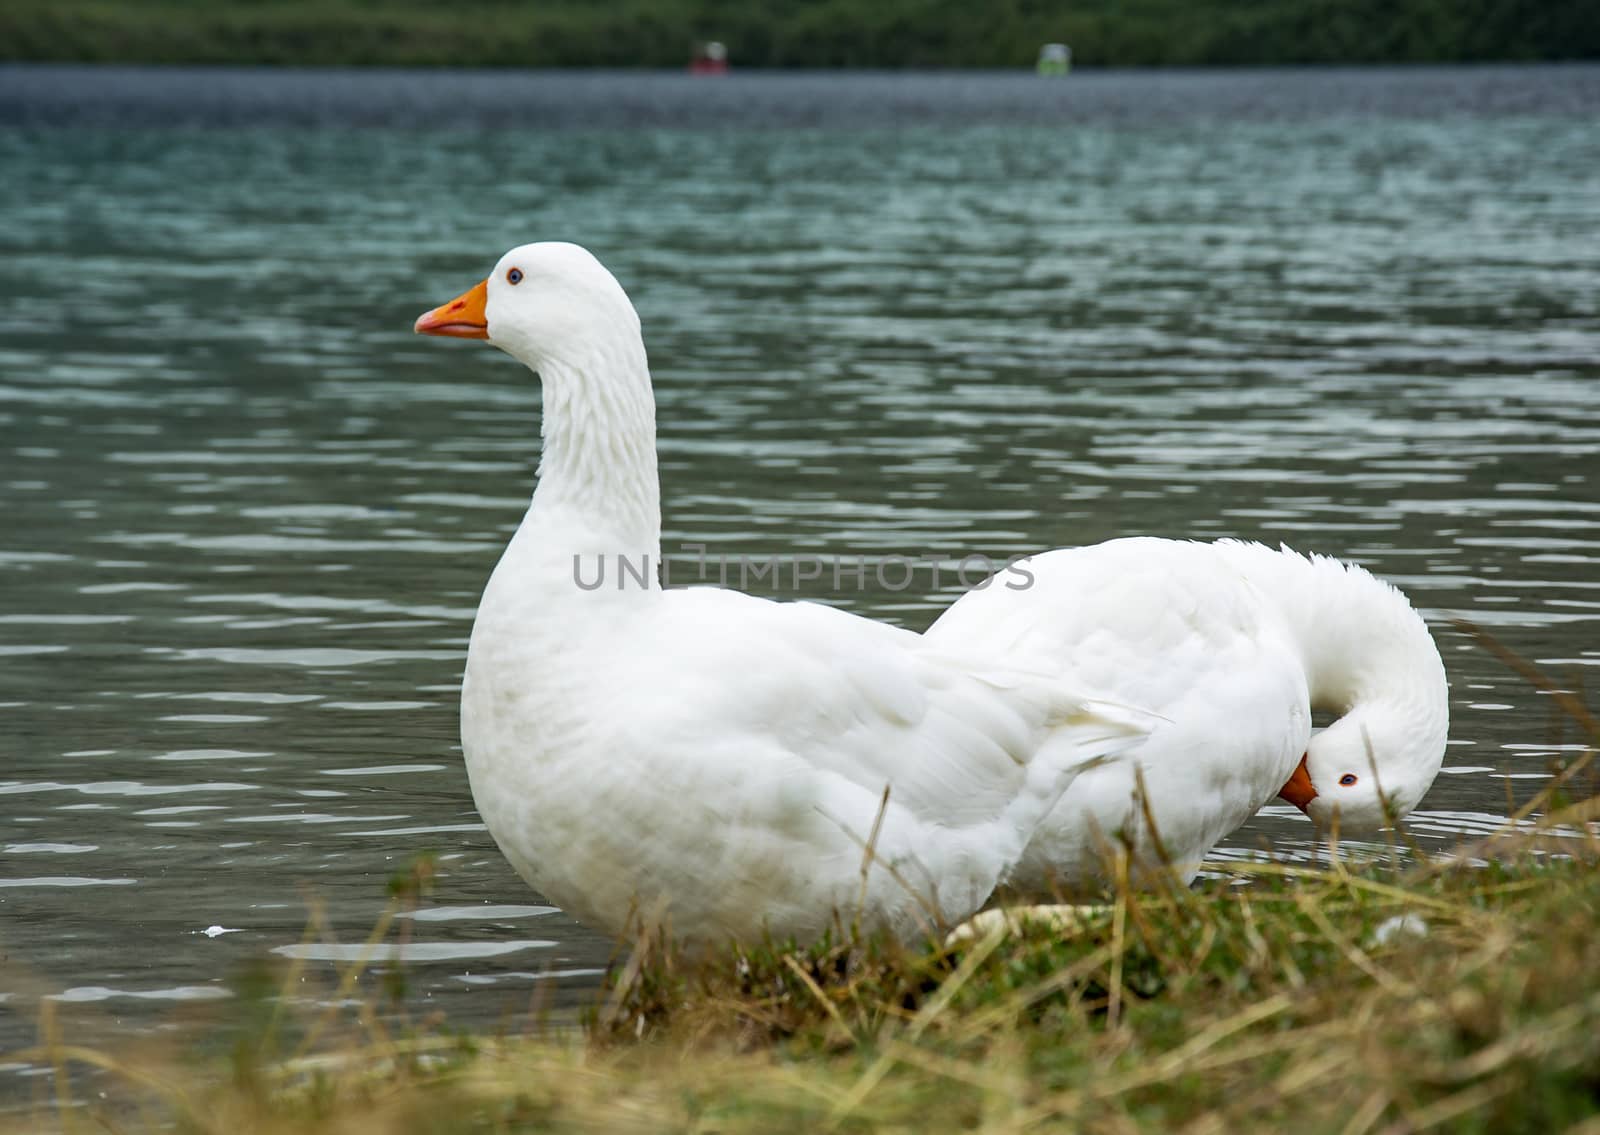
1366 652
598 485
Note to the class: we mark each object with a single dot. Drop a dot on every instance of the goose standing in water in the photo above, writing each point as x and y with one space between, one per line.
698 751
725 758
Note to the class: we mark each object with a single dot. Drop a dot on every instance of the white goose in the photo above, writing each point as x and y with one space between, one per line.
1233 644
725 757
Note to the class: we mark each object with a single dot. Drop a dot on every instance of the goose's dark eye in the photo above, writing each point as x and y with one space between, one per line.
514 276
1348 779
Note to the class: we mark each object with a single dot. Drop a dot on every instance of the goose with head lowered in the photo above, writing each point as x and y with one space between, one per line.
747 766
1233 645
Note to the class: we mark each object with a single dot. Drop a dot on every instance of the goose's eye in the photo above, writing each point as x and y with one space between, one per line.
1348 779
514 276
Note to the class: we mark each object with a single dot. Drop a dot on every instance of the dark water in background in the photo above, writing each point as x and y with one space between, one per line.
633 100
247 514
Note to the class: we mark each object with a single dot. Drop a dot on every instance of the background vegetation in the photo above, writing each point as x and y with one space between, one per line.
797 33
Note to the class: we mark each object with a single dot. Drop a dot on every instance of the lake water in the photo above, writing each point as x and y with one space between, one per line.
248 513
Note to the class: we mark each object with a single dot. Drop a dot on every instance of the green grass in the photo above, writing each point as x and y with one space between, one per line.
779 33
1341 999
1401 993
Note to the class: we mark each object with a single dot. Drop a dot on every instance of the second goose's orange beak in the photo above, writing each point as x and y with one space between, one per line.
1299 791
462 318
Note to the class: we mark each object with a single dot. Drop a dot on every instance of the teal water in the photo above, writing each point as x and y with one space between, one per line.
248 513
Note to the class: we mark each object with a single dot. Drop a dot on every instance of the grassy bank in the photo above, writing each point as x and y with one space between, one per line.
1343 999
818 33
1394 993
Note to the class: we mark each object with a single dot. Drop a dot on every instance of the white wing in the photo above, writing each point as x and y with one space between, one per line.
781 724
1174 628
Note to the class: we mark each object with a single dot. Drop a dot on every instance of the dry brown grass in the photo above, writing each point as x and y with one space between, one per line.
1419 995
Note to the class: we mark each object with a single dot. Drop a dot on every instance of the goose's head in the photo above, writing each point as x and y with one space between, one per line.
543 302
1364 772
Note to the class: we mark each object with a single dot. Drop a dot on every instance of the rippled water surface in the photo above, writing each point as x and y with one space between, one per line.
248 513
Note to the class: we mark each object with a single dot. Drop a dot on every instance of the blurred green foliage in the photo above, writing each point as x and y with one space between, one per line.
798 33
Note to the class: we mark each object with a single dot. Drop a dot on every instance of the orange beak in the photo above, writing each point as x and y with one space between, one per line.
1299 790
462 318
